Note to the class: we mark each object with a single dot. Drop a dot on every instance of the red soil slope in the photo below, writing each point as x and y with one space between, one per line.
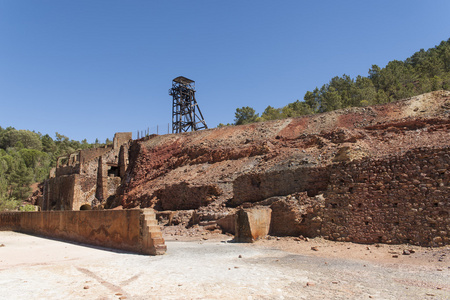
203 170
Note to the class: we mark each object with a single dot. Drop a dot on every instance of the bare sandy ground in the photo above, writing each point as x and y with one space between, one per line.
211 267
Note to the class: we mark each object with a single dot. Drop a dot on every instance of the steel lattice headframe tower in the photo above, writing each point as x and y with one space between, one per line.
186 114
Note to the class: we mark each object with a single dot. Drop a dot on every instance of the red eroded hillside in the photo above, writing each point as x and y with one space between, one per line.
200 170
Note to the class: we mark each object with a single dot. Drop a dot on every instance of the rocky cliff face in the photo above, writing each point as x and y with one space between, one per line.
211 172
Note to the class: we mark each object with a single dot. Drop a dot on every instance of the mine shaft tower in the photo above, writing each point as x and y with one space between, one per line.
186 114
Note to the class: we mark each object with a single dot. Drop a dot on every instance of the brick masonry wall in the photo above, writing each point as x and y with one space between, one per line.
400 199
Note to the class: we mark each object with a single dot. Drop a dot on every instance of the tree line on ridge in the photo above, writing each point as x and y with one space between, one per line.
423 72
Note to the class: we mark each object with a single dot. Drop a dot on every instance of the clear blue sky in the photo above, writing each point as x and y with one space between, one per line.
87 69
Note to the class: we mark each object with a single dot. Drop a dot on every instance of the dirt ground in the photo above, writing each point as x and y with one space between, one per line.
438 258
211 266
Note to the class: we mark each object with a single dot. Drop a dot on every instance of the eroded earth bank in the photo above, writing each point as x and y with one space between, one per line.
377 174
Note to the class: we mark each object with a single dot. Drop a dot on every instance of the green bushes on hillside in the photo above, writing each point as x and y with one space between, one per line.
423 72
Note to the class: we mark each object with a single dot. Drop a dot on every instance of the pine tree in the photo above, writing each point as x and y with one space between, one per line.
20 180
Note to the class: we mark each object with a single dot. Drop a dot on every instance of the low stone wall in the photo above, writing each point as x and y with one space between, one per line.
400 199
130 230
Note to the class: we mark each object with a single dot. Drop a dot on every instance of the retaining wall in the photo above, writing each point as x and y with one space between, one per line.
130 230
400 199
394 200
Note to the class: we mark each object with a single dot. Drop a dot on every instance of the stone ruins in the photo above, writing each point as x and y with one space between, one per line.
378 174
87 178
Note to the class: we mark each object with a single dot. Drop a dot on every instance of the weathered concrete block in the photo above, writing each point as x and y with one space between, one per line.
252 224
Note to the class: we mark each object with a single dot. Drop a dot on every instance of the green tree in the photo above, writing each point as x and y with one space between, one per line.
365 91
3 177
382 97
245 115
271 113
312 99
330 99
374 75
8 203
20 180
37 162
223 125
344 87
10 137
296 109
48 145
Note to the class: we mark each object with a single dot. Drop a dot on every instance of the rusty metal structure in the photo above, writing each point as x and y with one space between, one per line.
186 114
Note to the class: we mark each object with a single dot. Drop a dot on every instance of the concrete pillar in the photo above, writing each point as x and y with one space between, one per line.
123 160
102 180
252 224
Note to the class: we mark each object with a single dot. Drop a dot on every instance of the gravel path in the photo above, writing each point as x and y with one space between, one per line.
38 268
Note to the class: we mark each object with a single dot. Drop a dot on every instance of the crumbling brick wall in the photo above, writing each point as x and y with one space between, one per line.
400 199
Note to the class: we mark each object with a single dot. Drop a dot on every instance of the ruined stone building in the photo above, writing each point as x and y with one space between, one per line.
85 179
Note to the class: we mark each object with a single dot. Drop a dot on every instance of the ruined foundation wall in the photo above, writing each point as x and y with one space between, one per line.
67 170
112 185
130 230
68 192
401 199
259 186
84 191
59 192
89 154
183 196
121 138
394 200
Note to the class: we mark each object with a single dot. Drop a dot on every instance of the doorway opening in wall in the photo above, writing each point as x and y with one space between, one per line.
85 207
113 171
